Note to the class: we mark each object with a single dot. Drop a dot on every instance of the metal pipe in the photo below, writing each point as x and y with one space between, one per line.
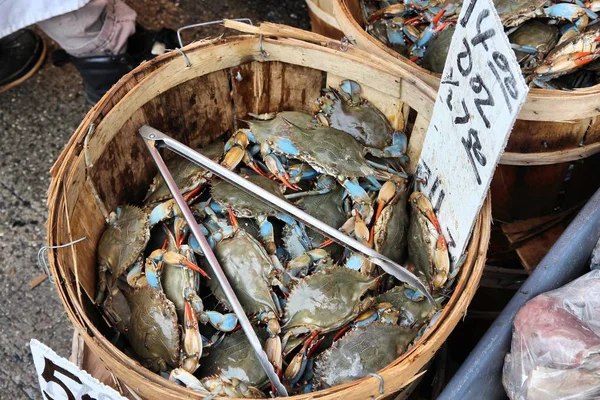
216 267
480 376
261 194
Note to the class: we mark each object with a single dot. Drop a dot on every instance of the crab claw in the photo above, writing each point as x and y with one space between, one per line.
425 206
221 322
393 10
233 157
274 352
188 380
181 230
326 243
297 366
163 211
441 262
566 63
276 168
192 342
438 16
361 231
170 257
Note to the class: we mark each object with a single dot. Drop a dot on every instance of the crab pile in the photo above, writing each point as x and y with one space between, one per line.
325 315
557 42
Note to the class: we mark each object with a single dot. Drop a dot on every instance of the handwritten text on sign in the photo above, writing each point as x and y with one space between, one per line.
62 380
481 93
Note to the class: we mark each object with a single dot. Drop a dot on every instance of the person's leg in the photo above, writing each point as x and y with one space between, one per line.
100 28
103 41
21 54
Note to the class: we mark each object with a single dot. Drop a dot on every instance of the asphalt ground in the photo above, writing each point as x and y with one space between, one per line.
36 120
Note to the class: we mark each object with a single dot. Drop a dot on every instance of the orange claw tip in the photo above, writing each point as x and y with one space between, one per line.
438 16
233 218
189 313
411 20
257 170
326 243
341 332
287 183
196 268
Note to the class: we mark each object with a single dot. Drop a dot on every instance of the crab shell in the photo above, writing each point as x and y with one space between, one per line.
330 151
390 232
328 208
515 12
243 204
154 332
123 241
187 174
436 53
538 35
116 309
360 119
247 266
234 358
277 126
328 299
413 314
362 351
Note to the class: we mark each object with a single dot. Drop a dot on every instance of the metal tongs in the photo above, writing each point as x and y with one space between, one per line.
154 139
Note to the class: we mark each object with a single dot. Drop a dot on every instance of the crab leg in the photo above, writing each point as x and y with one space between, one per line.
325 183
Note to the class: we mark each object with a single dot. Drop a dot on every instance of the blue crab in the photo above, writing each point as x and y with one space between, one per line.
234 358
427 247
515 12
327 150
389 232
244 205
251 273
154 331
329 203
532 41
569 55
217 385
362 351
323 302
414 312
120 245
345 110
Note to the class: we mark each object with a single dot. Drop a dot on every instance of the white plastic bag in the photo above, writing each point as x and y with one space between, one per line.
555 350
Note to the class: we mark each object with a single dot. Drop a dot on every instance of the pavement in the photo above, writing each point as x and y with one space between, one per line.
36 120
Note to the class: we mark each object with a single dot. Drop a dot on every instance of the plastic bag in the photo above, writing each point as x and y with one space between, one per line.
555 350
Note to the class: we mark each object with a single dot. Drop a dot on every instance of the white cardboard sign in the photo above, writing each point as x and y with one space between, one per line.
60 379
480 95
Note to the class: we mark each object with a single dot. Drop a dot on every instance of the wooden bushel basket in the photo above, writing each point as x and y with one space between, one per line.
106 164
551 161
322 20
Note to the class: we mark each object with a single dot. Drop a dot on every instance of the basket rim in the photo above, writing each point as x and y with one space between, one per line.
350 26
65 168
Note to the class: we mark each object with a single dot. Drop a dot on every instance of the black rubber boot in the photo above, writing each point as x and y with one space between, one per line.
21 54
102 72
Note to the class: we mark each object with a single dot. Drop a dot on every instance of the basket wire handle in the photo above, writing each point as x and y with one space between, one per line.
381 383
41 255
201 24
